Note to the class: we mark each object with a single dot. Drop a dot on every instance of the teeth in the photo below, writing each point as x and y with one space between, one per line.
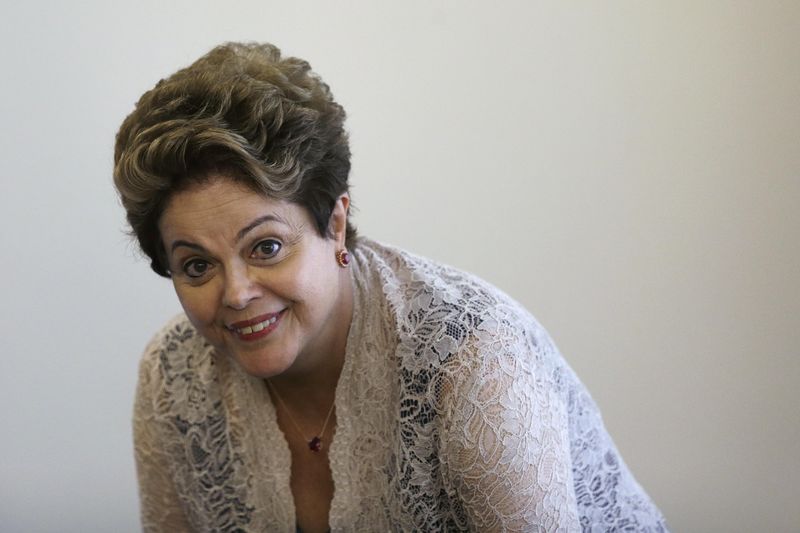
255 328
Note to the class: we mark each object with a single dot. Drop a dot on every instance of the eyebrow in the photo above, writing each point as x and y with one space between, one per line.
239 236
257 222
179 243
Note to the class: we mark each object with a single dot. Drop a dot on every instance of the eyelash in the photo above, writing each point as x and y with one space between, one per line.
254 254
257 247
188 265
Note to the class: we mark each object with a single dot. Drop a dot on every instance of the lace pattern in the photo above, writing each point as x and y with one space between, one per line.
455 412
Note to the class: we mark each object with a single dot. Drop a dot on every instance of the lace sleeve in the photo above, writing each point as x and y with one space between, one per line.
505 441
160 507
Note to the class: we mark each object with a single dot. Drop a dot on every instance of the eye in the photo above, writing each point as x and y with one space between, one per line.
266 249
196 268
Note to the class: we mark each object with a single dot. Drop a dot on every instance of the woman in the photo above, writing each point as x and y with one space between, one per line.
320 380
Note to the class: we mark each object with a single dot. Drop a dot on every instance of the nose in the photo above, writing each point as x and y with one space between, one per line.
240 287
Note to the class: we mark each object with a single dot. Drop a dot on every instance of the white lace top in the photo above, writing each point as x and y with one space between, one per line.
454 411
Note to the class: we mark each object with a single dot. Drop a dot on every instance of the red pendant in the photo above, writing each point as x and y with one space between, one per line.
315 444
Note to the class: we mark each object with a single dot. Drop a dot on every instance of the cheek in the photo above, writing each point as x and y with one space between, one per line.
198 304
313 287
304 290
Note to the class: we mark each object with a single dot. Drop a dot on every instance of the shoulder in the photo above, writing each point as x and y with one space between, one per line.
441 311
411 279
176 361
172 345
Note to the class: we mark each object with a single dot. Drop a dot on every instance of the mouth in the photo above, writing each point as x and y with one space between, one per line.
255 328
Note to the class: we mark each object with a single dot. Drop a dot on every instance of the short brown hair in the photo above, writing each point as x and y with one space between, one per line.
241 109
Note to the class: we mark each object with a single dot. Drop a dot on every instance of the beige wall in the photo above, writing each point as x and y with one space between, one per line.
630 171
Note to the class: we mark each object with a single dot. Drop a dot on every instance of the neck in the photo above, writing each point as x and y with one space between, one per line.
309 393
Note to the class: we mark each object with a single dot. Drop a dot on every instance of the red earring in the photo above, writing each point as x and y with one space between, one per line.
343 258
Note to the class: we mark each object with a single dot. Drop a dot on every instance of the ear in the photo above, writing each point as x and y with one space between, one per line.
338 225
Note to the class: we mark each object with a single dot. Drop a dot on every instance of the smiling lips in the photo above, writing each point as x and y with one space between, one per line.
256 328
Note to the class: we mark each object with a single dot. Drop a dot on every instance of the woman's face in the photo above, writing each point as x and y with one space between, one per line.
255 277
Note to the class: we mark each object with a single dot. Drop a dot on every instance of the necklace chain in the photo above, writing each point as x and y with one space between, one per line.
315 443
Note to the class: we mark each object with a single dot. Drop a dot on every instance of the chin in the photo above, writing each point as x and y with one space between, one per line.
261 366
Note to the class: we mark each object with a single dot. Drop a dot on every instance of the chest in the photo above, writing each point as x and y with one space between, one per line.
311 483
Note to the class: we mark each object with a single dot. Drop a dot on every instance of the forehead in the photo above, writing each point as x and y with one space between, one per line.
220 206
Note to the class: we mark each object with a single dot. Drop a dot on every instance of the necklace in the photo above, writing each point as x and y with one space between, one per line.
315 443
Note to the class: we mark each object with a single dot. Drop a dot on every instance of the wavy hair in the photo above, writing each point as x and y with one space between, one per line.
243 110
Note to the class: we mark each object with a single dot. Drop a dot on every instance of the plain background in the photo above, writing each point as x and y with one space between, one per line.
629 171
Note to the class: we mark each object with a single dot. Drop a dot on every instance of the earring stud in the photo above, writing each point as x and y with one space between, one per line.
343 258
